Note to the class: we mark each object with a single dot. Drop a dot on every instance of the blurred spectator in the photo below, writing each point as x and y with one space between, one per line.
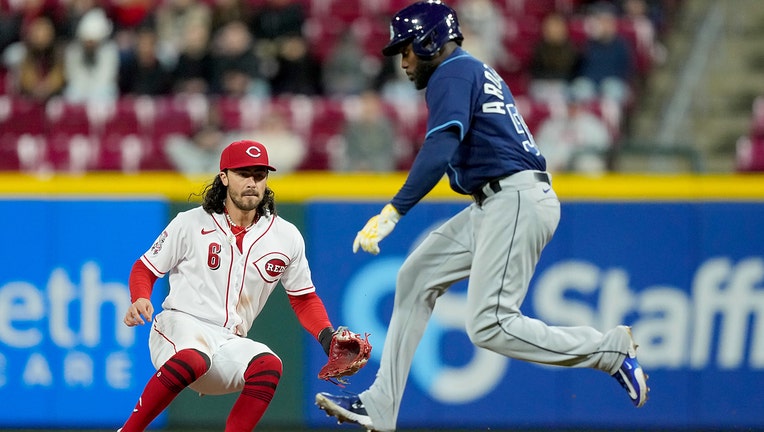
274 22
198 154
39 72
10 28
297 71
129 14
30 10
369 138
482 23
172 20
574 139
73 13
347 71
286 149
554 61
15 19
92 61
607 64
657 11
141 72
649 49
236 69
276 19
226 11
193 70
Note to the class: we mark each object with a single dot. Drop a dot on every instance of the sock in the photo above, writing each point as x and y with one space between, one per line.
182 369
260 381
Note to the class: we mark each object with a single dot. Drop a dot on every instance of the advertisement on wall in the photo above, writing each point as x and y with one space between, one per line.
687 276
66 358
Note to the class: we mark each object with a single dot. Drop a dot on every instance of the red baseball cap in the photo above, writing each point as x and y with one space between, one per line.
244 153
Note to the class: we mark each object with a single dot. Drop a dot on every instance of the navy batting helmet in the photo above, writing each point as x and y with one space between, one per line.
427 25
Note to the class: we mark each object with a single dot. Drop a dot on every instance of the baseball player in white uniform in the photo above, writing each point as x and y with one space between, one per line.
223 259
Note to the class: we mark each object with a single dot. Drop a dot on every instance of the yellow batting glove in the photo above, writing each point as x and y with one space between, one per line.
376 229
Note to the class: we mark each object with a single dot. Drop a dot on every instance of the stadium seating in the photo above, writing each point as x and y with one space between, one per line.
750 147
129 134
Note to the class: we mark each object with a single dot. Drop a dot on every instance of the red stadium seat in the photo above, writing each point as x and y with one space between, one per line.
750 154
20 116
125 153
392 6
25 152
757 118
139 112
539 8
299 110
322 35
122 121
173 116
345 11
67 119
5 81
74 154
235 113
229 112
326 125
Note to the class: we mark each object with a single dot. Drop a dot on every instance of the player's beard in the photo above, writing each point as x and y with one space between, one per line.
422 73
245 201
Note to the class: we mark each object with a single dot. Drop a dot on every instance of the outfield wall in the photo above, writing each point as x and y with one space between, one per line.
678 257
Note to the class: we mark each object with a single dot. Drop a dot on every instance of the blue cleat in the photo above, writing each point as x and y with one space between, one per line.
631 377
346 408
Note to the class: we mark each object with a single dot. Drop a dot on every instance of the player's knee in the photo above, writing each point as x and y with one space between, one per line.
266 365
482 332
412 285
195 360
479 334
407 275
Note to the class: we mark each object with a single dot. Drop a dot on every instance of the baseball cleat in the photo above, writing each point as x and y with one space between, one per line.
631 377
345 408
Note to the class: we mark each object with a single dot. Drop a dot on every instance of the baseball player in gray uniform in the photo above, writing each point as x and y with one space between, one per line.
475 136
224 259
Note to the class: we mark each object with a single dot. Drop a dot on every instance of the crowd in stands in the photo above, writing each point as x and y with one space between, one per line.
133 85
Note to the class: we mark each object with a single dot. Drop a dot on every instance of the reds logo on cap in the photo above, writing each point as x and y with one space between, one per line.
245 153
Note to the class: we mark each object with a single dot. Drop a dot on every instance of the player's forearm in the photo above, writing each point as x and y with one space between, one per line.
429 167
141 281
311 313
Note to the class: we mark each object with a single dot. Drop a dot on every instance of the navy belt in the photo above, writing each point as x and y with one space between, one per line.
479 196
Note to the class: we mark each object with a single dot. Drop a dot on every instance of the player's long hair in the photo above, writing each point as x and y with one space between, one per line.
214 194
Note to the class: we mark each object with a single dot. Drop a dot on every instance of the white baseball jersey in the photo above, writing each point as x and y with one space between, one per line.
215 282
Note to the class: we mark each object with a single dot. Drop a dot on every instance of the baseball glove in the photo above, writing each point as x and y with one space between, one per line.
348 353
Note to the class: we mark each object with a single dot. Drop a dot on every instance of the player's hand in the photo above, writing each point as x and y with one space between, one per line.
376 229
139 312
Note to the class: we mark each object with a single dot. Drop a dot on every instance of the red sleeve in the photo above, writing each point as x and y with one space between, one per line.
141 281
310 312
